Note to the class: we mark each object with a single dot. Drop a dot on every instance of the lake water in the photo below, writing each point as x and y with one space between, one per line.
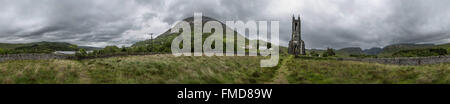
65 52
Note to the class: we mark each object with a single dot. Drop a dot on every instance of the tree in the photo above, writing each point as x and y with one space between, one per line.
2 51
421 52
314 53
124 49
81 53
111 49
95 53
440 51
448 51
73 47
329 52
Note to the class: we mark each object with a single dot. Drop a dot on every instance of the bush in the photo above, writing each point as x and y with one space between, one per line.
314 53
2 51
439 51
124 49
81 53
111 49
329 52
448 51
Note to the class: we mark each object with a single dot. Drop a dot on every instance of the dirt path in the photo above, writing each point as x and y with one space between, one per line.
83 73
84 77
281 75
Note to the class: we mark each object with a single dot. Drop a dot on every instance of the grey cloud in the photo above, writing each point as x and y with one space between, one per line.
326 23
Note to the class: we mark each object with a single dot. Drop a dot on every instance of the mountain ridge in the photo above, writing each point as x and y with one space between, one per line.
164 40
42 47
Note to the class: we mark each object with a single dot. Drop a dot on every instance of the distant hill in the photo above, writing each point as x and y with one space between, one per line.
391 49
42 47
349 51
444 45
49 46
11 45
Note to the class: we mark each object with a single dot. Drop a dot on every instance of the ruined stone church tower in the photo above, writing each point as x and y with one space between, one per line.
296 45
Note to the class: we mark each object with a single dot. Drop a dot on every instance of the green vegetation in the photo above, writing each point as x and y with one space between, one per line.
329 52
363 56
3 51
39 47
138 69
448 49
314 53
162 43
81 53
167 69
421 52
345 52
443 45
210 70
10 45
349 72
373 51
46 47
388 51
396 50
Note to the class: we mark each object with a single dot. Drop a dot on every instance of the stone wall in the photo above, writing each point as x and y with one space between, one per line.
404 60
31 57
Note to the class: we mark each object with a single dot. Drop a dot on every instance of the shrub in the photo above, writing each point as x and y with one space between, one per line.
81 53
448 51
111 49
439 51
329 52
314 53
2 51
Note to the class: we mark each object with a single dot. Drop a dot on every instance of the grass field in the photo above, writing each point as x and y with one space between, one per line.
167 69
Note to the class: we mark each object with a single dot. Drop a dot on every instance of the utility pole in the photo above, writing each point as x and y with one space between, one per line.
151 38
151 42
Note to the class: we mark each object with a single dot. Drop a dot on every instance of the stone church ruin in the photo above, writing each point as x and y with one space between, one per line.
296 45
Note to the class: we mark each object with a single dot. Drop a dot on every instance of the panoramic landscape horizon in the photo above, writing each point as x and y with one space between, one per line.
225 42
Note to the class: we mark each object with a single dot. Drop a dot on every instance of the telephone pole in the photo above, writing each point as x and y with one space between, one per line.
151 38
151 43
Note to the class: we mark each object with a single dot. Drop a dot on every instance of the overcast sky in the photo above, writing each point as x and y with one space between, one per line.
326 23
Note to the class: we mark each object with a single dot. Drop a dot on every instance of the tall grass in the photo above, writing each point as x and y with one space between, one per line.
164 69
348 72
167 69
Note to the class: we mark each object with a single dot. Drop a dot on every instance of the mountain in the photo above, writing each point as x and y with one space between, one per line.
11 45
444 46
372 51
42 47
350 51
89 48
391 49
50 46
167 37
164 40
